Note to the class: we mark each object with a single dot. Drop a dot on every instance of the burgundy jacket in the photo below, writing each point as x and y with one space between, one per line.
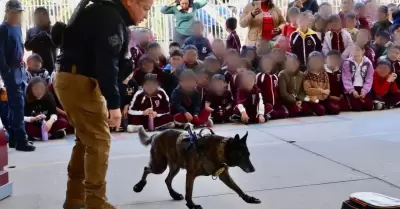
250 101
335 82
141 102
233 42
268 85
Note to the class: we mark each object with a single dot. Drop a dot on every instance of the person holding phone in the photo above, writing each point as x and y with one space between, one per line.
263 19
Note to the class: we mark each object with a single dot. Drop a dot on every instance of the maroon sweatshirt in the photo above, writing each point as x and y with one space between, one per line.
250 101
203 95
335 82
141 102
268 85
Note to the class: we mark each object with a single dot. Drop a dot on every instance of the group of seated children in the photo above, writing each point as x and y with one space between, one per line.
44 116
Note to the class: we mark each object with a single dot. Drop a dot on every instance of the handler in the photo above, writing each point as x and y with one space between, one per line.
93 48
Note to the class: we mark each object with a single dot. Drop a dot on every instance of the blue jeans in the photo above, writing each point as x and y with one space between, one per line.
15 83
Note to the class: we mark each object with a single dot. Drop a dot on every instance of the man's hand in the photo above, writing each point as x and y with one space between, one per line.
188 116
115 118
245 118
356 95
256 11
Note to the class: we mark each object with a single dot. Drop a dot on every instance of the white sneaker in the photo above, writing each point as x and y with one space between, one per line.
187 125
133 128
378 105
167 126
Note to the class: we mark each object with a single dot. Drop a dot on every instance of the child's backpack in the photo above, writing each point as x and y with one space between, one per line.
370 200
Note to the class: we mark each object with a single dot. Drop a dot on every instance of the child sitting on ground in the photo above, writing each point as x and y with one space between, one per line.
154 51
235 80
190 58
250 53
150 107
291 26
202 86
357 77
336 38
212 66
336 97
219 100
249 102
219 50
386 92
127 88
393 56
186 100
197 39
304 41
147 65
362 22
233 40
363 39
351 25
171 75
40 107
173 46
267 82
291 89
316 85
35 68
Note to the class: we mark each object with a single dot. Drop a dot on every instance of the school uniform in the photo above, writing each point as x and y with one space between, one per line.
287 30
268 85
159 101
340 41
358 78
336 88
222 105
353 33
171 80
315 98
385 92
363 23
42 73
201 43
127 90
139 76
203 95
233 41
182 102
46 106
394 67
302 44
251 102
291 90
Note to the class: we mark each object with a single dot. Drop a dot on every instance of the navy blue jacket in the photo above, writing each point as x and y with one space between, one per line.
201 43
182 102
11 47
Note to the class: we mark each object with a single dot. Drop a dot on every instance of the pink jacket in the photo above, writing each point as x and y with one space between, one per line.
349 68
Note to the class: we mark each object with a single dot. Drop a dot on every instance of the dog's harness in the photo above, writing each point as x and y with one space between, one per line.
193 138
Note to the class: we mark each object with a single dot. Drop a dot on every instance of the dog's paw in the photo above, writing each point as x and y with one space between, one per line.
194 206
175 195
139 186
251 200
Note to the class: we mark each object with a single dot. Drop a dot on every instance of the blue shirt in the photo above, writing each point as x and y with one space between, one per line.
11 46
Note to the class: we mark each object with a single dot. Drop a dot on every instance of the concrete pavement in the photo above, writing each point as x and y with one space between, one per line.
302 163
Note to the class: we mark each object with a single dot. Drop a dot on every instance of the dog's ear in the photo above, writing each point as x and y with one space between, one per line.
237 137
244 138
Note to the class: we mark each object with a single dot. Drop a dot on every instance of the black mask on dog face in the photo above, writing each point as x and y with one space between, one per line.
238 154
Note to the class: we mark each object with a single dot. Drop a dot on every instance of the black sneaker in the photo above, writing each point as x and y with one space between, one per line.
25 147
58 134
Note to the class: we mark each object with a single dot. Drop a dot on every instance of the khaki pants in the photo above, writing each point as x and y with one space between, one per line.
87 112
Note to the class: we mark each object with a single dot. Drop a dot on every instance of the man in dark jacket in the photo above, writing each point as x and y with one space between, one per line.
94 55
13 73
38 39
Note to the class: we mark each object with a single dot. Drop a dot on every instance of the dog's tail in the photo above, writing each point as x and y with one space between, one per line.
145 138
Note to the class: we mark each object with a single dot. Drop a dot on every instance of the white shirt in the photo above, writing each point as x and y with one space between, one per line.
358 79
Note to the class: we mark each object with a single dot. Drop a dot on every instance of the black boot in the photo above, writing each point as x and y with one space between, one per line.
25 146
58 134
11 142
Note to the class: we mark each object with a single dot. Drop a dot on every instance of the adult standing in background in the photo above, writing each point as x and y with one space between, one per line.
94 57
185 15
263 19
38 39
13 72
305 5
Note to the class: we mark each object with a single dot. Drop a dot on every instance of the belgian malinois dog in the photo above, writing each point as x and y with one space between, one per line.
211 155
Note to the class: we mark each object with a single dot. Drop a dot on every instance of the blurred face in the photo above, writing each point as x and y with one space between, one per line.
267 64
325 11
319 25
144 39
291 65
218 86
362 37
360 12
176 61
184 4
248 82
380 41
188 84
283 43
232 61
190 56
41 19
351 23
347 5
14 18
212 65
197 29
262 47
293 19
278 55
316 64
383 70
138 9
34 65
382 16
150 87
394 54
38 90
147 66
335 25
155 53
303 22
241 70
218 48
250 55
396 35
357 52
371 8
333 61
